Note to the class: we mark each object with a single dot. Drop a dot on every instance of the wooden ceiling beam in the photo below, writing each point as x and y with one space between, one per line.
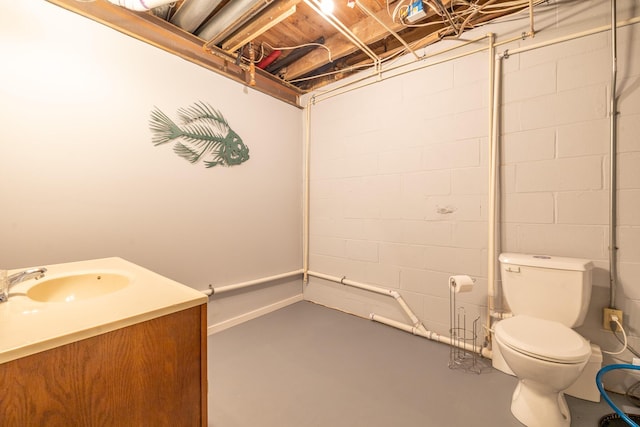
271 16
368 30
159 33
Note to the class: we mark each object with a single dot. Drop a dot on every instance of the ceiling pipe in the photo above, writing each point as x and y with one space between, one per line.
230 17
193 13
294 56
140 5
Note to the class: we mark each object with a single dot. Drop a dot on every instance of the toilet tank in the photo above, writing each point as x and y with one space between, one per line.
547 287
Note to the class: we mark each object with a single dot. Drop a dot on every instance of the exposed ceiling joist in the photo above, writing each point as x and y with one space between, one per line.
271 16
368 30
301 46
157 32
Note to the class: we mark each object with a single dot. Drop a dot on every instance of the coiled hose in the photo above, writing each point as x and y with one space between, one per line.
617 410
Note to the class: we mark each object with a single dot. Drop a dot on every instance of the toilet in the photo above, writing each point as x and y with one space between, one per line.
547 296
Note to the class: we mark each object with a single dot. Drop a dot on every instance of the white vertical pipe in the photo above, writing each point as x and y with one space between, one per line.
613 267
307 189
493 111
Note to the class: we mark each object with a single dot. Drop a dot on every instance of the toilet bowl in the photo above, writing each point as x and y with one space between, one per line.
547 357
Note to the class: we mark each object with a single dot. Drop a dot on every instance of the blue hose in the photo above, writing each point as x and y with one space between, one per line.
603 371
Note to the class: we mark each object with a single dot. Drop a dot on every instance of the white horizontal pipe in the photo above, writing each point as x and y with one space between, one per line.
573 36
483 351
416 329
417 324
140 5
227 288
345 281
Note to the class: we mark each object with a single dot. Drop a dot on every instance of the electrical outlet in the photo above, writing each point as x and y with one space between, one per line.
607 317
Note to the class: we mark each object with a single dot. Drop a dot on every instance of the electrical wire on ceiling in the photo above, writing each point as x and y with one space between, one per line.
302 45
352 68
263 44
460 19
460 16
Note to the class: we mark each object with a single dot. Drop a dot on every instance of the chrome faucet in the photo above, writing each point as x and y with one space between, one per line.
14 279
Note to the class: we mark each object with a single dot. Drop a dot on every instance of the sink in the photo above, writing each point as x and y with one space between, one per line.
77 287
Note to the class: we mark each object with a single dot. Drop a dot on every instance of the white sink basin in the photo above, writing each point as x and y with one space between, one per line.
77 287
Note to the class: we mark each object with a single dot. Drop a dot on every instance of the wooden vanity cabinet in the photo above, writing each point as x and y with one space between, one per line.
153 373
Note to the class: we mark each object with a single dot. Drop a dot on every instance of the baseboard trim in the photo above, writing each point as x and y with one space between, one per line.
219 327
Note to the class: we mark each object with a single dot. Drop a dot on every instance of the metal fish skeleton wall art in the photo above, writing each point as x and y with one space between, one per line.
203 134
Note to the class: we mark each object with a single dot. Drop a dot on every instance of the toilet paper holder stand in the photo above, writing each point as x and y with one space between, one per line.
463 338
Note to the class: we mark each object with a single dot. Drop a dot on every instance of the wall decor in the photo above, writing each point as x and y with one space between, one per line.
203 134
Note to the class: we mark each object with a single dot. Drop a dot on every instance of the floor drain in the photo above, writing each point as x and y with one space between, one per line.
614 420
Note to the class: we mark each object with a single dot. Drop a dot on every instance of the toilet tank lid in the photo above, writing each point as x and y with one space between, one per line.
546 261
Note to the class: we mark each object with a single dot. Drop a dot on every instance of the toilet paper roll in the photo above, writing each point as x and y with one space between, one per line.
461 283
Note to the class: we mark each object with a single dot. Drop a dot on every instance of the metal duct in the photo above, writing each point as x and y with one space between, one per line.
193 13
140 5
228 19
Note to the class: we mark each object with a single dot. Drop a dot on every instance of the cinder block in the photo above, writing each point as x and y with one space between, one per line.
470 181
454 154
402 255
629 208
362 250
436 233
584 138
425 281
529 145
575 241
629 244
628 131
578 207
532 208
427 183
629 170
575 173
529 83
571 70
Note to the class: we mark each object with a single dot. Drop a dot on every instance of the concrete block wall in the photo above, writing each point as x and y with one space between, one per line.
399 190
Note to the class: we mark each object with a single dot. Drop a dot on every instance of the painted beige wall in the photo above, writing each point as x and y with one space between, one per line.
80 178
399 189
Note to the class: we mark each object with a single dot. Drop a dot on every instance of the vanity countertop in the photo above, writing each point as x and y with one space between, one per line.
28 326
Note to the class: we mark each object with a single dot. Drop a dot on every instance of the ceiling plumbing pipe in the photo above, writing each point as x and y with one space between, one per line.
140 5
613 112
193 13
228 19
227 288
294 56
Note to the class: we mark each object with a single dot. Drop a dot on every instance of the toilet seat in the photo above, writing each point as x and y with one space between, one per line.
543 339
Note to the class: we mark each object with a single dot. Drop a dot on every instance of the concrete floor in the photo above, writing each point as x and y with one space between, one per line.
308 365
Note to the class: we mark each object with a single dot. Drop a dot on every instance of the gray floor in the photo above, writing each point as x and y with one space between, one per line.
308 365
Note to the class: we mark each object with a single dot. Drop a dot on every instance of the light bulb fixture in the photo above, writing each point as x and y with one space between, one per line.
351 3
326 6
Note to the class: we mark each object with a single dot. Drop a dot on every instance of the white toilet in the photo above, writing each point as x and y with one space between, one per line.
547 296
